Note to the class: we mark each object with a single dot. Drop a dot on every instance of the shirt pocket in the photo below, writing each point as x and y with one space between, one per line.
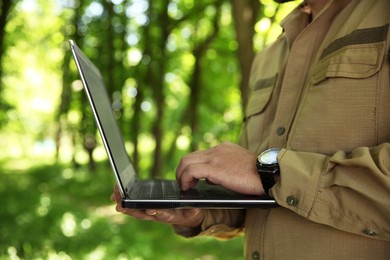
340 107
255 116
257 102
355 61
357 55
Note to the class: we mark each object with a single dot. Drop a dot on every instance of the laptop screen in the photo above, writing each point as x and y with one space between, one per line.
102 110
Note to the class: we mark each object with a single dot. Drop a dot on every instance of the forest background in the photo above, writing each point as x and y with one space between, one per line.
177 73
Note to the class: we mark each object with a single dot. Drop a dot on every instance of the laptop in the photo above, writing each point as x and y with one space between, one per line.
155 193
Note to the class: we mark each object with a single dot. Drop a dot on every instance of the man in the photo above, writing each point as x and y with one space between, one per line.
321 95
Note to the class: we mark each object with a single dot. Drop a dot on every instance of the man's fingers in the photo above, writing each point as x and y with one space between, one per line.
136 213
199 157
116 197
167 216
193 173
177 217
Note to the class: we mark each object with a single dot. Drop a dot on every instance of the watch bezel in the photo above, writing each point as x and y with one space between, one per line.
269 157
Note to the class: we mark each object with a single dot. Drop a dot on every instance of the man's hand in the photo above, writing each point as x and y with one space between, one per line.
227 164
179 217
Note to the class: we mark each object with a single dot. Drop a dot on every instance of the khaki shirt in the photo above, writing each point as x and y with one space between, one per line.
322 93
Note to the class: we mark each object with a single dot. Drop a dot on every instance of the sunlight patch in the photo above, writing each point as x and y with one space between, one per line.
146 106
86 223
60 255
44 205
94 9
134 56
67 173
12 253
77 85
68 224
263 25
98 253
183 142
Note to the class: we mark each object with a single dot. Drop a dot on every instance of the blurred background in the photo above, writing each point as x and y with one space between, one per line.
177 73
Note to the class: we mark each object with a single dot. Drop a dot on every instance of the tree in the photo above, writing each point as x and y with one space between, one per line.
6 7
245 13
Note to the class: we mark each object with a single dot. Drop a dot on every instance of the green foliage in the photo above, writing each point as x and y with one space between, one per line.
31 73
170 68
59 212
161 62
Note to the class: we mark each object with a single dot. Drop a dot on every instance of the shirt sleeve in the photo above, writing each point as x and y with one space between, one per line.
218 223
348 191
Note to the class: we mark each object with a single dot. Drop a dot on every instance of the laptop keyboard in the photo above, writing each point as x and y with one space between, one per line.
150 189
169 189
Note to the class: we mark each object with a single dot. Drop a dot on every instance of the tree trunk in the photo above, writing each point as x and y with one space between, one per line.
66 94
245 16
5 9
158 93
196 84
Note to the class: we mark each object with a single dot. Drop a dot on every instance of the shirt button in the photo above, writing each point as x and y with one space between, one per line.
255 255
292 201
280 130
369 232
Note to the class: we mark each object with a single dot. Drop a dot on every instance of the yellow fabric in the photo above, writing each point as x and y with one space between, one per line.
282 234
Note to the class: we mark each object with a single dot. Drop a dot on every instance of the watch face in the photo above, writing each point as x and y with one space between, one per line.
269 156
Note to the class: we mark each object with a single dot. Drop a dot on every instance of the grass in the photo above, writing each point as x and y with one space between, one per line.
55 212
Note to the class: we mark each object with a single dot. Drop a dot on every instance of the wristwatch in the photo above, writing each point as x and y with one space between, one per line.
268 167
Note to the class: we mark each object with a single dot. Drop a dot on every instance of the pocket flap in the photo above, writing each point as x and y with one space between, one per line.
353 61
258 100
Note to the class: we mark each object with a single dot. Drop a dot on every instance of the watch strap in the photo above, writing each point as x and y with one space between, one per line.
267 176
